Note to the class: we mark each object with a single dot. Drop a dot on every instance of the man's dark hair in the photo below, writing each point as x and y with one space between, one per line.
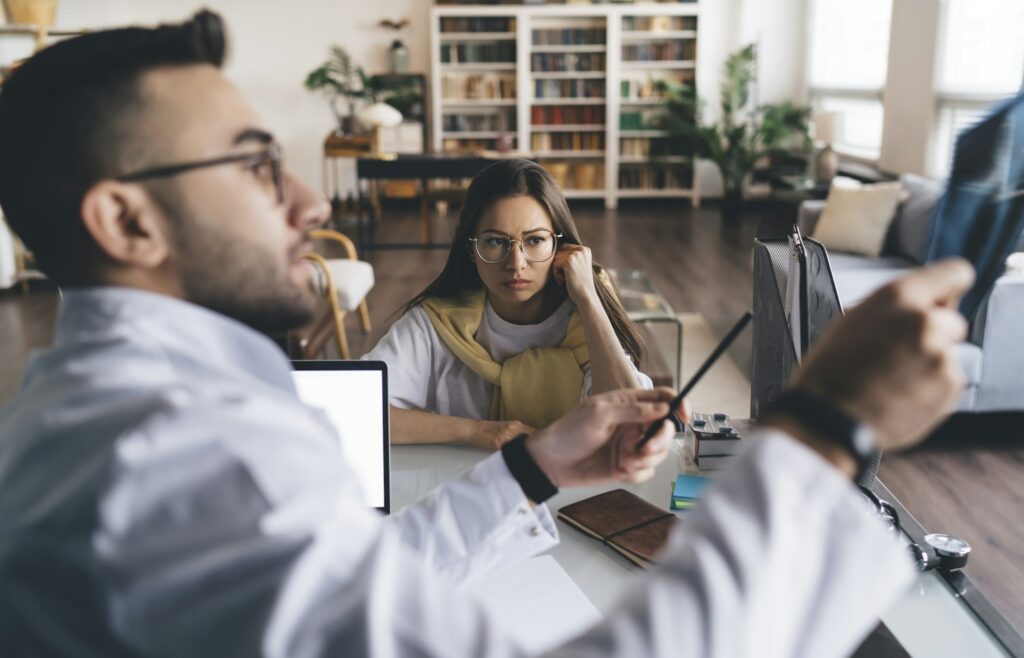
66 122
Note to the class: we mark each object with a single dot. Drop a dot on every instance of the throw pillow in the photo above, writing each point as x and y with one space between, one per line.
916 219
856 218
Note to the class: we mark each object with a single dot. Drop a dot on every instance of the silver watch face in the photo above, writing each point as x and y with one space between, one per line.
948 545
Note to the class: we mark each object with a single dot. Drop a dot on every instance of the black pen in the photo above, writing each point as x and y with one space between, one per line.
678 400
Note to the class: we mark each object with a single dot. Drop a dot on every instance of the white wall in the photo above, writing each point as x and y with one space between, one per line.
274 45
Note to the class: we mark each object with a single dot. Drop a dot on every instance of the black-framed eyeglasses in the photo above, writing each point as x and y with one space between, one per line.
494 247
270 156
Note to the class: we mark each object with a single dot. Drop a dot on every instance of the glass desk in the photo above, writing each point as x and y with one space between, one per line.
930 620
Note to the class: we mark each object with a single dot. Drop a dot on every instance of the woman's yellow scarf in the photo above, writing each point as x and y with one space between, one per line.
536 386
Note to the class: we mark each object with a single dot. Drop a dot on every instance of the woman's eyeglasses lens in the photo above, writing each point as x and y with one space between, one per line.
495 247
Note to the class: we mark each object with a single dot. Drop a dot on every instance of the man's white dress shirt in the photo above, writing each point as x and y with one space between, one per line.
163 492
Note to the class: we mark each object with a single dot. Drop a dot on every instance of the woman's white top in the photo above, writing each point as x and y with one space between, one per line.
424 374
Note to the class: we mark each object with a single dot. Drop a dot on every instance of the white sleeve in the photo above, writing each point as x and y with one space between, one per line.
408 349
781 558
213 545
230 552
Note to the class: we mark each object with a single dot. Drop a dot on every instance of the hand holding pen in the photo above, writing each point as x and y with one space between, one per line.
653 428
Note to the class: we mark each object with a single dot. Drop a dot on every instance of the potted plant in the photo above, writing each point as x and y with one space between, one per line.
341 78
743 135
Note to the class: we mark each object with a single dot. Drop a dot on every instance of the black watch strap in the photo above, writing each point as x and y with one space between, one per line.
832 423
537 486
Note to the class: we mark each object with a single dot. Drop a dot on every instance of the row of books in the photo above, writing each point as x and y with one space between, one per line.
646 88
576 175
569 37
478 86
660 51
658 23
646 147
551 62
568 88
568 141
554 115
449 144
637 120
503 52
655 177
478 121
477 24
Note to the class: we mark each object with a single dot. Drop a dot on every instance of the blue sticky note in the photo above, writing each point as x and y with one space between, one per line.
689 487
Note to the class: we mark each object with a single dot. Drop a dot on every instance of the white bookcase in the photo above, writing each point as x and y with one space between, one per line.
572 85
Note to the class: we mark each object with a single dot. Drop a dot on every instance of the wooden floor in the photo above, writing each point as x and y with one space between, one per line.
702 265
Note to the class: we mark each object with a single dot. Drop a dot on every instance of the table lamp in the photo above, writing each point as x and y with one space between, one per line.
377 116
827 127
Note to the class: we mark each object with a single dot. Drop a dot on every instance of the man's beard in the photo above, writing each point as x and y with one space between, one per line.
241 280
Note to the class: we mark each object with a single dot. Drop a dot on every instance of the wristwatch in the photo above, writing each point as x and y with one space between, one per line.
537 486
830 422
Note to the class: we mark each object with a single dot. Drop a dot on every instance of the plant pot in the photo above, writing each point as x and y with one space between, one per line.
31 12
348 125
732 205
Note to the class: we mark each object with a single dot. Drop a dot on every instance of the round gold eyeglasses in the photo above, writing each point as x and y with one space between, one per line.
494 247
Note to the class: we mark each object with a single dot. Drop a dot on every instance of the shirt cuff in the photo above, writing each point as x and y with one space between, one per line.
538 518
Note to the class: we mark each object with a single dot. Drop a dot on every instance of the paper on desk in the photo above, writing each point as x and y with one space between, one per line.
536 602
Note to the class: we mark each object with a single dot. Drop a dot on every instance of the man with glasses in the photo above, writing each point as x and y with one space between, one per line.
163 492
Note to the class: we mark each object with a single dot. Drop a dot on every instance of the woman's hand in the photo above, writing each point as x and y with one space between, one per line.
573 267
496 433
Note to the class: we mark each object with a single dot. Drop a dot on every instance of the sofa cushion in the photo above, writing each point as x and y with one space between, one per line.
856 277
856 218
911 232
353 279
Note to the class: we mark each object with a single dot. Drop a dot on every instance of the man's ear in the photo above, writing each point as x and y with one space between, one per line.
126 224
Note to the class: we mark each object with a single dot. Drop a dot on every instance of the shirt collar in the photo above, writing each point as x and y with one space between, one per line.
185 331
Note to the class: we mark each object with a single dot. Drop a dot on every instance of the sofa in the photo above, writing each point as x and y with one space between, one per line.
993 357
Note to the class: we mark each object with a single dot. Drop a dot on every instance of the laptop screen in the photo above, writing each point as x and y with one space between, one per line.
354 396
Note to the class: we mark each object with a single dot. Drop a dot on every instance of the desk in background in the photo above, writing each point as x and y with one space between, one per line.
423 167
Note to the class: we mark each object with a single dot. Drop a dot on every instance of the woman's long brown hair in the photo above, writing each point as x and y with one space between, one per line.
512 178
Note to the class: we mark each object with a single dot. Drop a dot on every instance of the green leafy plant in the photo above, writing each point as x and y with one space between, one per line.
341 78
743 134
338 78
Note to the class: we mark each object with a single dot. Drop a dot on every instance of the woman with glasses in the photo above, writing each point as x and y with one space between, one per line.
518 327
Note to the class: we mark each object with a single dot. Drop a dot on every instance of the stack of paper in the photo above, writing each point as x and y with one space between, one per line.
687 491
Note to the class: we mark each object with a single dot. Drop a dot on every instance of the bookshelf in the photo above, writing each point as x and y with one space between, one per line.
572 85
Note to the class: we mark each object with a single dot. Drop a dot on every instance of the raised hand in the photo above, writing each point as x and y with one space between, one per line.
596 442
890 362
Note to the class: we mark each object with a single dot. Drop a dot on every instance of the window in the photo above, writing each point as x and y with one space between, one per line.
980 60
848 54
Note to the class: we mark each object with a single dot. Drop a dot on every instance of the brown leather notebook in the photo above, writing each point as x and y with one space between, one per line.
625 522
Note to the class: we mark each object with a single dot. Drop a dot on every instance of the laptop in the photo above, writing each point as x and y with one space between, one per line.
354 395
